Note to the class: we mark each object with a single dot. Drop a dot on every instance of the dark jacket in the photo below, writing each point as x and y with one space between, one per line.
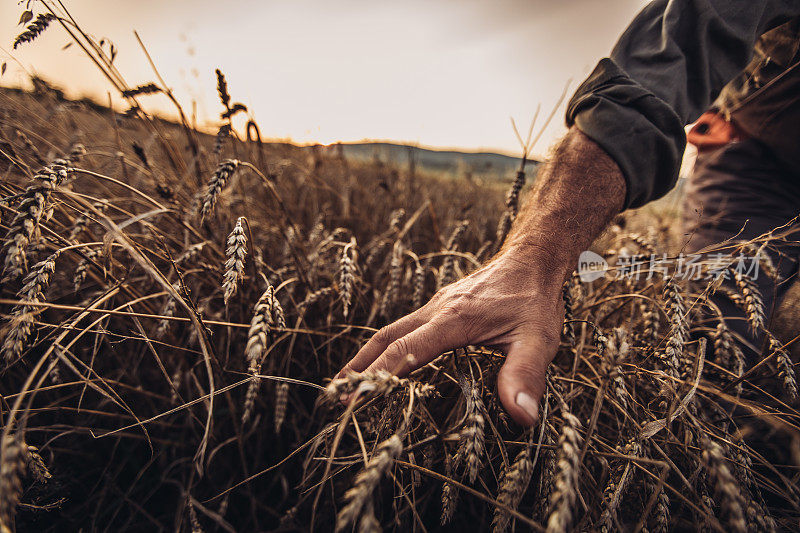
675 59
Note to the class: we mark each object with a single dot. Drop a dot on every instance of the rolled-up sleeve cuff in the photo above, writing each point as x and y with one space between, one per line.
638 130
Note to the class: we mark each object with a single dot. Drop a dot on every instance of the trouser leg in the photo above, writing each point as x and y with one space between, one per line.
740 191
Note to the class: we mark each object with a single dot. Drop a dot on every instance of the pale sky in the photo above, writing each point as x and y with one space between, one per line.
442 73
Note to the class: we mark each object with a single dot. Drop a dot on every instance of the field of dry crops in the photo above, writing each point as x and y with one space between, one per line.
174 305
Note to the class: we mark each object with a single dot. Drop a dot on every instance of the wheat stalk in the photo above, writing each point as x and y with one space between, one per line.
281 400
513 483
471 444
785 368
618 484
661 512
679 331
234 265
447 270
13 463
267 315
147 88
728 352
366 482
34 29
725 485
347 275
568 329
24 228
222 89
449 492
753 304
395 278
224 172
651 319
562 497
22 317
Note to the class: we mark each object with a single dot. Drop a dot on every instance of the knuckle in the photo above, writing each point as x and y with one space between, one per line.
458 317
384 335
399 348
452 312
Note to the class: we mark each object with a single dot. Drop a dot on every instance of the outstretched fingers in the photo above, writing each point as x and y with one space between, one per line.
381 340
423 344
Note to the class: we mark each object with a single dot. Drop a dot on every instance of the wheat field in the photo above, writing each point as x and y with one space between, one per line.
174 305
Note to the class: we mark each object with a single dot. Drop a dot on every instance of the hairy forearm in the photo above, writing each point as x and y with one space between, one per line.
577 193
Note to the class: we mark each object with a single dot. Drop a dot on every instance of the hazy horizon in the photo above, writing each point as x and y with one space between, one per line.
443 75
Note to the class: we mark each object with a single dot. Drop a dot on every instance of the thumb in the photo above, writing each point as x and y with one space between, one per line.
521 381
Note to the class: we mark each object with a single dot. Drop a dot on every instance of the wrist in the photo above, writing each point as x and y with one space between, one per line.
549 263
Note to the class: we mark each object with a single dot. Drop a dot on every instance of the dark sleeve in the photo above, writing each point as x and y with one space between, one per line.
664 72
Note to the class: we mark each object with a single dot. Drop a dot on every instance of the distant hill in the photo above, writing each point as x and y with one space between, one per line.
487 165
449 163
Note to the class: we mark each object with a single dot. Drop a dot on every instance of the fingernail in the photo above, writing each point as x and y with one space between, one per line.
529 405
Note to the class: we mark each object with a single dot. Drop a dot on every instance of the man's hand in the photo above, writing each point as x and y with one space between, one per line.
514 302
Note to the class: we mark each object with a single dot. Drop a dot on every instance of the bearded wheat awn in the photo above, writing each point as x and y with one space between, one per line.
651 318
347 275
369 523
725 485
512 197
753 304
234 265
367 481
785 368
471 443
147 88
679 331
375 383
513 483
34 29
661 511
640 241
224 172
728 352
755 507
618 483
22 317
447 270
222 89
281 400
25 226
395 278
763 261
83 221
610 363
562 498
267 315
223 134
449 492
168 312
13 464
568 329
548 470
36 465
316 296
419 285
82 270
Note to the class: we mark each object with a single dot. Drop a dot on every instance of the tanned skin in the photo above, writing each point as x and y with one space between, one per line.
514 302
